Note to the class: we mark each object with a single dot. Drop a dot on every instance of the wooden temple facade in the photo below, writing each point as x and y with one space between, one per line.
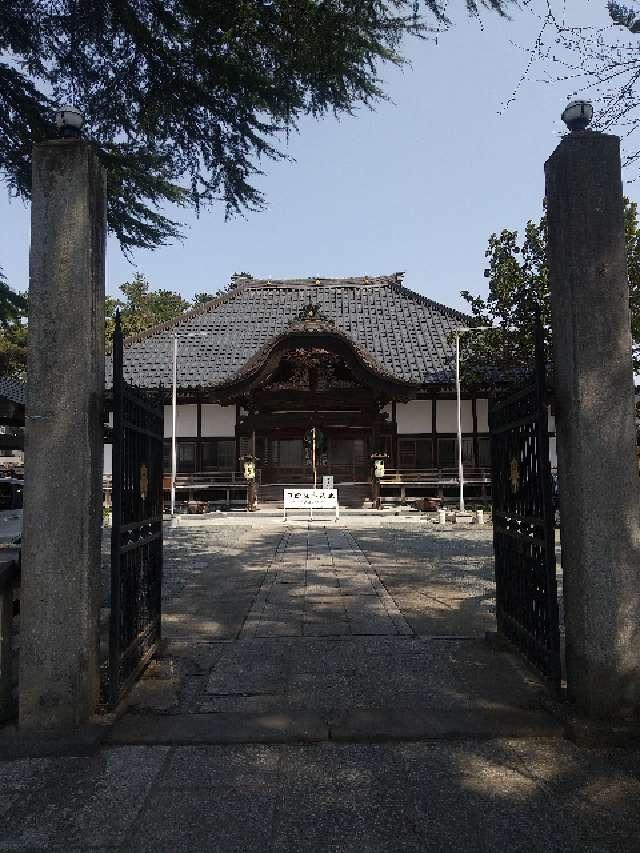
342 367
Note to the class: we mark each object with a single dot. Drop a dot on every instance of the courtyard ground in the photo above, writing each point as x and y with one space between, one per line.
329 688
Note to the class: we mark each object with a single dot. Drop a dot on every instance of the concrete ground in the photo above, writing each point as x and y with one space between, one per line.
328 688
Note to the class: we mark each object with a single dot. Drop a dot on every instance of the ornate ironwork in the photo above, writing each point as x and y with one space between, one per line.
524 523
311 314
136 536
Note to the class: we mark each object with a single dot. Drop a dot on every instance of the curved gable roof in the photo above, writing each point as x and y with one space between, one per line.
312 330
404 332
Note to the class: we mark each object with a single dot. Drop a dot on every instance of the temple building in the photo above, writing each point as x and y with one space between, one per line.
331 369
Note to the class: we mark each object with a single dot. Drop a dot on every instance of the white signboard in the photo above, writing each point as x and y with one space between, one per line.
327 481
311 499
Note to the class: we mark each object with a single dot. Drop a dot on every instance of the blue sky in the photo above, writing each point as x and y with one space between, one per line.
418 185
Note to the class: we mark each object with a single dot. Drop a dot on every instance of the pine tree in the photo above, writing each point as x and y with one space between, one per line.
185 98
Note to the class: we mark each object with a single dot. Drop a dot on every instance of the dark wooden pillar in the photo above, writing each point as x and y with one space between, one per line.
197 462
237 434
434 431
476 446
394 438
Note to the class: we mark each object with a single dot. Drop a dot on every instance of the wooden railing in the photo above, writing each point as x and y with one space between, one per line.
436 482
190 487
207 490
437 476
207 479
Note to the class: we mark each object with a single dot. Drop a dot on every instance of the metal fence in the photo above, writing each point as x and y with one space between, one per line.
136 536
524 524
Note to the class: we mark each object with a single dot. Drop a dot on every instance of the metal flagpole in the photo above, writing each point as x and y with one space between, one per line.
173 424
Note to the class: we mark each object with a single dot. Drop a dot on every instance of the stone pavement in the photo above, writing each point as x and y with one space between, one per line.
464 797
328 689
346 633
320 584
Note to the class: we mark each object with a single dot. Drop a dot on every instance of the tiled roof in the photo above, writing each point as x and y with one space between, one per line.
12 389
404 332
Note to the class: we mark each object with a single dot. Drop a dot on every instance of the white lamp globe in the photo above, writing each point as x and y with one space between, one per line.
69 121
578 115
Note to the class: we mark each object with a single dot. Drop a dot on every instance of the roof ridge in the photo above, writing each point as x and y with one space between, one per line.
225 297
391 279
319 281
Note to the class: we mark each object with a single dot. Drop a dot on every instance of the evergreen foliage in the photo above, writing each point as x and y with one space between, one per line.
13 331
625 17
519 291
12 305
184 98
142 307
13 350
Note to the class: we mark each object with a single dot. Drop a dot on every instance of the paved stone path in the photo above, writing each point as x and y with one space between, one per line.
341 631
328 690
320 584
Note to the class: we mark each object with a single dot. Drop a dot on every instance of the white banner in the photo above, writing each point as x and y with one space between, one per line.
310 498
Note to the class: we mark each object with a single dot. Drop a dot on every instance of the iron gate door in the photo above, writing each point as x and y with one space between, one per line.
136 536
524 524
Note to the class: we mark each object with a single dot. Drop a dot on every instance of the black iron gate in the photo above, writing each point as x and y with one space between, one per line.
136 537
524 523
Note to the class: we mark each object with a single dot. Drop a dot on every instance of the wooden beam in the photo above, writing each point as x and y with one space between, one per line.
275 422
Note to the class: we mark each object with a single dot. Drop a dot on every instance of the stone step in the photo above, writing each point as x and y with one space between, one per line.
360 724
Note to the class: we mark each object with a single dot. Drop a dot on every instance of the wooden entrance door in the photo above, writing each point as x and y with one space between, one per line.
347 458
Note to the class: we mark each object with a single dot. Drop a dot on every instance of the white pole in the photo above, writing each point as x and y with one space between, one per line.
173 424
313 452
460 469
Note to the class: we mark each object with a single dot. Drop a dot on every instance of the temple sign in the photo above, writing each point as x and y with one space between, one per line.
311 499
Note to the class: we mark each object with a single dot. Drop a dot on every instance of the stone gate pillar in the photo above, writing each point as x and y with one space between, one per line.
594 400
60 596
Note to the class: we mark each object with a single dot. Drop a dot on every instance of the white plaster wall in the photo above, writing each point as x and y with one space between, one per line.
218 421
414 416
108 466
186 421
553 456
447 417
552 421
482 413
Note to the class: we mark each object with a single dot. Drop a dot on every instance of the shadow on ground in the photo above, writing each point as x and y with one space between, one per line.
329 621
523 795
416 737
